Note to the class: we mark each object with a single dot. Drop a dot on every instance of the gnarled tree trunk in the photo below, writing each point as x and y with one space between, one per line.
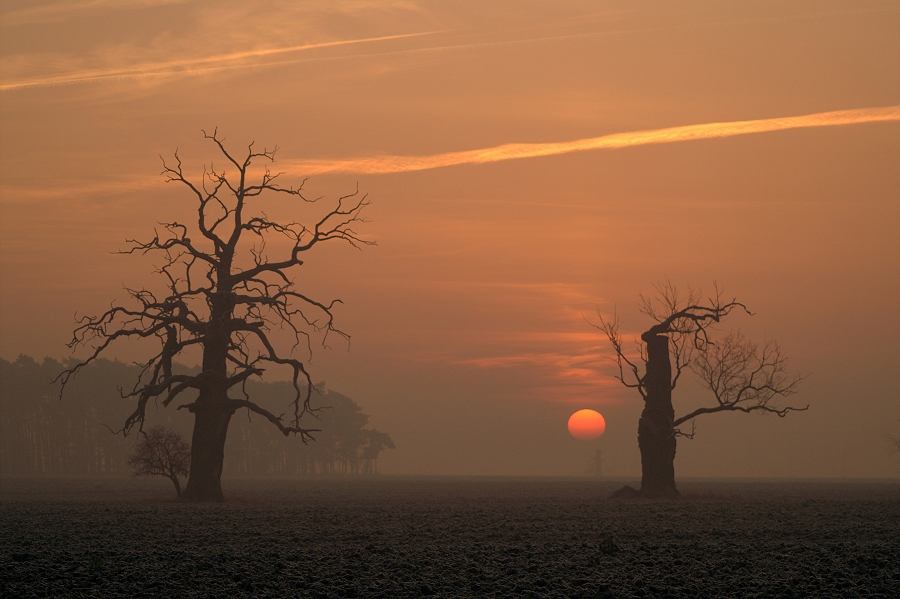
656 431
212 410
207 454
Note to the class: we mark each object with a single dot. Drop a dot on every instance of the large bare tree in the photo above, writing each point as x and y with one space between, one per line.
743 376
225 296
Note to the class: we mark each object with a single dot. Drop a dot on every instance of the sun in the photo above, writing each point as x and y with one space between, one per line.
586 424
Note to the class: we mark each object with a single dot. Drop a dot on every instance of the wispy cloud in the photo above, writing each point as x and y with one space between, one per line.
43 13
571 366
559 376
514 151
65 188
191 65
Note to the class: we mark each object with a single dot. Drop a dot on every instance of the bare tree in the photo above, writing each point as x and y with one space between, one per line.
742 375
161 452
225 296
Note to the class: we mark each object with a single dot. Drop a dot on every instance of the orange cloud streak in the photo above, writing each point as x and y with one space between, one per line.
188 66
400 164
514 151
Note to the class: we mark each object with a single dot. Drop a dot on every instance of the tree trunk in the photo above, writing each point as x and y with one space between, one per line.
207 454
656 431
212 410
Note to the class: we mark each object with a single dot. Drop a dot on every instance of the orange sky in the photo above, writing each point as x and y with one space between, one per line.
528 162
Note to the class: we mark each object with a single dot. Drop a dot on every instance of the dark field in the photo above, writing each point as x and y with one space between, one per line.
409 537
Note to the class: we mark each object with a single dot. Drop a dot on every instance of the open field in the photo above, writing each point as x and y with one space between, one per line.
448 537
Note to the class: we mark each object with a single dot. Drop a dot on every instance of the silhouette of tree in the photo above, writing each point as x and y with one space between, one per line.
224 296
161 452
343 445
40 435
742 375
375 443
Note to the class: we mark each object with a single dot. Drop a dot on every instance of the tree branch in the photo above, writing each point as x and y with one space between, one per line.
305 433
744 377
611 328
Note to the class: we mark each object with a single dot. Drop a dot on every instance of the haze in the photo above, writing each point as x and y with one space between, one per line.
470 344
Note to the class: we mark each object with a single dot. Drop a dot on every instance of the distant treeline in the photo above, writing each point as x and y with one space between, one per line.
43 435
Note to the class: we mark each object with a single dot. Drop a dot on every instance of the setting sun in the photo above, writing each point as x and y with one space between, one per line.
586 424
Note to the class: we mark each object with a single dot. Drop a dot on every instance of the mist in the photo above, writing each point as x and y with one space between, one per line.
470 341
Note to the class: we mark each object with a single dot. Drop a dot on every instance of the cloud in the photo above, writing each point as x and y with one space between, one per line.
560 366
66 189
191 65
400 164
563 377
59 11
515 151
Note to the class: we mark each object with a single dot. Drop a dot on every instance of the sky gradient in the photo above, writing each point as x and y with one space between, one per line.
528 164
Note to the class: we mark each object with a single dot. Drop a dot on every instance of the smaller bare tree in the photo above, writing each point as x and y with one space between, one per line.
161 452
742 375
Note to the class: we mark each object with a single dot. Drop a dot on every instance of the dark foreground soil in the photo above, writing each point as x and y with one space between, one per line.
395 537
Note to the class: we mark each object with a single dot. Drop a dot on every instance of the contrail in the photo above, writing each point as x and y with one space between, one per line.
187 66
514 151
